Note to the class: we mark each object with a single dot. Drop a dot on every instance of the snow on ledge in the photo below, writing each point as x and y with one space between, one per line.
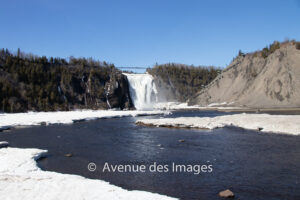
174 106
185 106
287 124
65 117
219 104
20 178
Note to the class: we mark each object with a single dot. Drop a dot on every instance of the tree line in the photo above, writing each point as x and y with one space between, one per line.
186 80
38 83
29 82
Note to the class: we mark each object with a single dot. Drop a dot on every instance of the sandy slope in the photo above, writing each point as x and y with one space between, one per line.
252 81
288 124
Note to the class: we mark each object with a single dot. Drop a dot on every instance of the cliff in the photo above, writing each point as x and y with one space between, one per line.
32 83
266 79
178 82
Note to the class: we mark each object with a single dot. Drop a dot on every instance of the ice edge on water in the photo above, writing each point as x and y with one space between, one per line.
20 177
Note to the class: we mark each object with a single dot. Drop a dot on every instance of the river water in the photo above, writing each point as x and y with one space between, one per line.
252 164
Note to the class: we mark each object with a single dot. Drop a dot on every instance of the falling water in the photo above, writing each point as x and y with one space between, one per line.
142 90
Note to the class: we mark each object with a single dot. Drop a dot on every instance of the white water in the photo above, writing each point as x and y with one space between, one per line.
142 90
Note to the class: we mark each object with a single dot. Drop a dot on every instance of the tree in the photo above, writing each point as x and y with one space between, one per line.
241 53
19 53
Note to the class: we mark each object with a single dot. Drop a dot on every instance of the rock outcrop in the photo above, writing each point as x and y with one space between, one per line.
53 84
166 90
94 93
257 80
117 92
179 82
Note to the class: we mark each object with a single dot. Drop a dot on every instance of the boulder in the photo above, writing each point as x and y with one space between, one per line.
4 144
226 194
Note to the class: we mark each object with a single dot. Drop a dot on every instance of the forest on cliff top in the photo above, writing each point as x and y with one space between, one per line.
29 82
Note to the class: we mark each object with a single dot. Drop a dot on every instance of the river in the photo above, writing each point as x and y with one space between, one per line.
252 164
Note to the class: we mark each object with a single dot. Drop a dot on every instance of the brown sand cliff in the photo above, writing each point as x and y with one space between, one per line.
257 81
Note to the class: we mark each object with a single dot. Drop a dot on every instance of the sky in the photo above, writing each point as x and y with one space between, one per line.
141 33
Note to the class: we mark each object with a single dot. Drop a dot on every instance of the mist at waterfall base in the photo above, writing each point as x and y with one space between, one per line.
143 91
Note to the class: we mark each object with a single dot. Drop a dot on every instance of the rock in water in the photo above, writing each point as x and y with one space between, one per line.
226 194
4 144
43 123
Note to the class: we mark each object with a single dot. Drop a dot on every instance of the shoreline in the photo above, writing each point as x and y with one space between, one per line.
21 176
283 124
21 120
241 109
139 143
172 106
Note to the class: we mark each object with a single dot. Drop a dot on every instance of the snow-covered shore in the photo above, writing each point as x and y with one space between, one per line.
65 117
20 178
287 124
185 106
173 106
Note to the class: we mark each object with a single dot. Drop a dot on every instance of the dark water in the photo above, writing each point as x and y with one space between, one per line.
253 165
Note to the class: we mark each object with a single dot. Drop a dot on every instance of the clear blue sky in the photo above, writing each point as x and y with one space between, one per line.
143 32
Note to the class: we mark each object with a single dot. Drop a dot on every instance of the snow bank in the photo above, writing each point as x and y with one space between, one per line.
20 178
185 106
218 104
65 117
288 124
174 106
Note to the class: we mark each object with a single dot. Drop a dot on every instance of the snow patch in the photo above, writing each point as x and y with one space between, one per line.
174 106
66 117
218 104
185 106
20 178
287 124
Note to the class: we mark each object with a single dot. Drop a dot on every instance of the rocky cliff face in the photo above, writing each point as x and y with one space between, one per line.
40 84
179 82
94 93
257 81
117 92
166 90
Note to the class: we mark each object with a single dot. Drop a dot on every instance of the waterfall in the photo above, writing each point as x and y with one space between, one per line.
142 91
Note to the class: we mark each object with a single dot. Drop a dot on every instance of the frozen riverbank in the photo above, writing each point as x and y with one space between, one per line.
20 178
65 117
185 106
288 124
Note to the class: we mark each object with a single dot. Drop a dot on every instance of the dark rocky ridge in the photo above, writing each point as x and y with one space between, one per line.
91 92
118 94
31 83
